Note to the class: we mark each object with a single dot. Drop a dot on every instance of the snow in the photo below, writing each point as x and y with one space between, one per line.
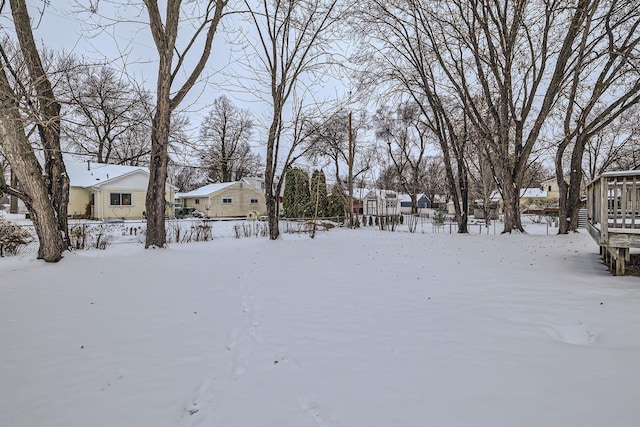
206 190
526 193
352 328
82 174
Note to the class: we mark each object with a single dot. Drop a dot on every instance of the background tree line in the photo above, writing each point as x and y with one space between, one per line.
469 97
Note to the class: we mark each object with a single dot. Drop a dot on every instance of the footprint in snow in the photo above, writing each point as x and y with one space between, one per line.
570 334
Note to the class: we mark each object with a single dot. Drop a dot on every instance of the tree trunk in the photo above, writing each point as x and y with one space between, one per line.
272 213
563 212
155 201
13 200
511 208
269 175
23 162
462 214
57 180
575 180
350 176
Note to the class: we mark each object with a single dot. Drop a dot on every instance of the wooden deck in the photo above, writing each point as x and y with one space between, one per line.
613 216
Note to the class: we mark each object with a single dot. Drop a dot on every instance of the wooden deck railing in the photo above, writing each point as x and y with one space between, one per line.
613 214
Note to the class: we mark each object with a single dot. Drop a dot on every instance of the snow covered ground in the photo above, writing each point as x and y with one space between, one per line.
352 328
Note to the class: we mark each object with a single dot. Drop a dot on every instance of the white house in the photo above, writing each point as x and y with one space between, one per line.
104 191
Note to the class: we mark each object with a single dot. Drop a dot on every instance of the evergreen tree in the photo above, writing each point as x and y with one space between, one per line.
288 198
336 202
303 200
295 199
318 194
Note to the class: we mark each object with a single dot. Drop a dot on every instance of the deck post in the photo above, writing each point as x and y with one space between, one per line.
604 209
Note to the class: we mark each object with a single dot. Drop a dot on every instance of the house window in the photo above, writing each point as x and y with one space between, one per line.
120 199
197 201
254 201
226 201
549 188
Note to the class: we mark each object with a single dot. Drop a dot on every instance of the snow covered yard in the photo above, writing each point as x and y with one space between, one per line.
353 328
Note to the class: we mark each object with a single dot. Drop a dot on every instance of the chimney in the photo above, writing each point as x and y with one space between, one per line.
88 165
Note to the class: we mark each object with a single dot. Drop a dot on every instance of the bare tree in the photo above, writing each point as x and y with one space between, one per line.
292 41
335 139
435 178
225 134
615 148
603 84
186 178
172 64
404 63
44 192
388 178
109 117
502 62
406 137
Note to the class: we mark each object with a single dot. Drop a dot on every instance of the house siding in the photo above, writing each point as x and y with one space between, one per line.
241 204
78 201
136 185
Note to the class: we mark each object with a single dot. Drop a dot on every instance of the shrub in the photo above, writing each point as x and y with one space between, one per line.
78 235
102 239
203 232
12 238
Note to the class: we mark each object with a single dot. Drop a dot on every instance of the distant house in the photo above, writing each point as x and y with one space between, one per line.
423 202
104 191
226 199
359 195
255 182
531 200
551 187
479 209
439 201
381 202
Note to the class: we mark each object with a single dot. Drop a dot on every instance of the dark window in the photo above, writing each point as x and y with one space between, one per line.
226 201
117 199
197 201
254 201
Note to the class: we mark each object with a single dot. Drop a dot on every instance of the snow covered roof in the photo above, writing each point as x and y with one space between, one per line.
360 193
407 198
84 174
206 190
529 193
376 193
533 193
